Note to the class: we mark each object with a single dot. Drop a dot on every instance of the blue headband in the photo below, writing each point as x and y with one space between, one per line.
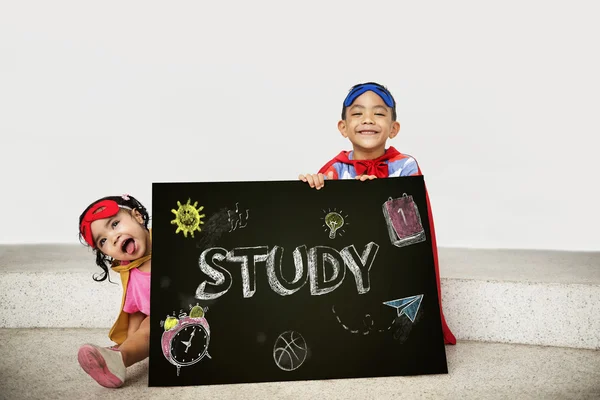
360 89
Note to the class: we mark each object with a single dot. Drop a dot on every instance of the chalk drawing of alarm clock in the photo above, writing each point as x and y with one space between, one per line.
185 339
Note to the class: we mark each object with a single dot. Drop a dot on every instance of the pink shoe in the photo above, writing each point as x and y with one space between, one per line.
103 364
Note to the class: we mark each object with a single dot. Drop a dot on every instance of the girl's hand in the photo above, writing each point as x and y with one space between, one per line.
315 180
365 177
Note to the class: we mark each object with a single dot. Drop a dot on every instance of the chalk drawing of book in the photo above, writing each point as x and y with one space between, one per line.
403 221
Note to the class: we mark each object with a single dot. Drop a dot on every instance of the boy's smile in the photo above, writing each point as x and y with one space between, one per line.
368 125
368 131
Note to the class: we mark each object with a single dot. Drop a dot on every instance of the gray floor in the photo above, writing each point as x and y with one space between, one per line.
42 364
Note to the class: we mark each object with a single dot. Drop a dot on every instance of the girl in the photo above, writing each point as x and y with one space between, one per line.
116 228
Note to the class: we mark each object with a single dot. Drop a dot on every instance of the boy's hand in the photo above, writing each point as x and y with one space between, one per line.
315 180
365 177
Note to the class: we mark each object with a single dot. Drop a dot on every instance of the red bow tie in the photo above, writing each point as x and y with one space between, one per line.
376 167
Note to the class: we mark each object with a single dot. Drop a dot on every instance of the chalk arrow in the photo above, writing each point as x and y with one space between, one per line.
408 306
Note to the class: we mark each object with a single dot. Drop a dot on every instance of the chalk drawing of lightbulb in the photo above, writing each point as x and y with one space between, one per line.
333 222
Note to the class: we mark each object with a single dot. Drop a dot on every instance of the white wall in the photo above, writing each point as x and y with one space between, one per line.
498 101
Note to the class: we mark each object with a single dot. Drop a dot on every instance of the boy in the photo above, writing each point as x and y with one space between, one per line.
368 121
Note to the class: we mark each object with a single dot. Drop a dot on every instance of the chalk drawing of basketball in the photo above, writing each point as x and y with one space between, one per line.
290 350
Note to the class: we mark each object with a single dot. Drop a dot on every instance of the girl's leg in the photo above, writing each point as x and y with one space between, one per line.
108 366
137 345
103 364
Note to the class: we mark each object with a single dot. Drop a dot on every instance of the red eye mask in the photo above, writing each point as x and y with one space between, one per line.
111 208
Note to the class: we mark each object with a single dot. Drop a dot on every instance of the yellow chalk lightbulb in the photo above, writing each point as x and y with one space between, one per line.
334 221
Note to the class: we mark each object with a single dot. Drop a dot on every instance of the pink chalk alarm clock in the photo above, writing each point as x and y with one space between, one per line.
185 339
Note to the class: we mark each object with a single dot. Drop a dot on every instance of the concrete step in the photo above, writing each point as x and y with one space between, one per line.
42 364
512 296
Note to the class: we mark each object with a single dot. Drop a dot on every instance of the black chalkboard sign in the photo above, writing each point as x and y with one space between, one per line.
275 281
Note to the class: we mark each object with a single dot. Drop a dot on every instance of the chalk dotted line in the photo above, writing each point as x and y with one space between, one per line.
367 321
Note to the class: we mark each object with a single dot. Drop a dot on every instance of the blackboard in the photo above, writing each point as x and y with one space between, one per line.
275 281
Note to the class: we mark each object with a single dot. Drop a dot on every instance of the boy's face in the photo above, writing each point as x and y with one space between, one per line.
122 236
368 125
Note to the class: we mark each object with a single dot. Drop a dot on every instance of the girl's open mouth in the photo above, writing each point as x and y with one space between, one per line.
128 246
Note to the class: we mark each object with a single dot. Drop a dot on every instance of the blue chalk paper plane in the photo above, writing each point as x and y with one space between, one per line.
408 306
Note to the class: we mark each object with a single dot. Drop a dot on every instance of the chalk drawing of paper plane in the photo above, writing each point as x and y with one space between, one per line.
403 221
408 306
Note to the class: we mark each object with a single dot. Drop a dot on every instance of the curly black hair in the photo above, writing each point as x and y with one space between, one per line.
102 260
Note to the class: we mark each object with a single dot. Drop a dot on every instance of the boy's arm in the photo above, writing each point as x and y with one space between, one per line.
328 171
404 165
413 169
316 180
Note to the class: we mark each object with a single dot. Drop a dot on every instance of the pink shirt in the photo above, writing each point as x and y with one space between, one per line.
138 292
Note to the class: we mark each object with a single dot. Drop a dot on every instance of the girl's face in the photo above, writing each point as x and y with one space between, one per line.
122 236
